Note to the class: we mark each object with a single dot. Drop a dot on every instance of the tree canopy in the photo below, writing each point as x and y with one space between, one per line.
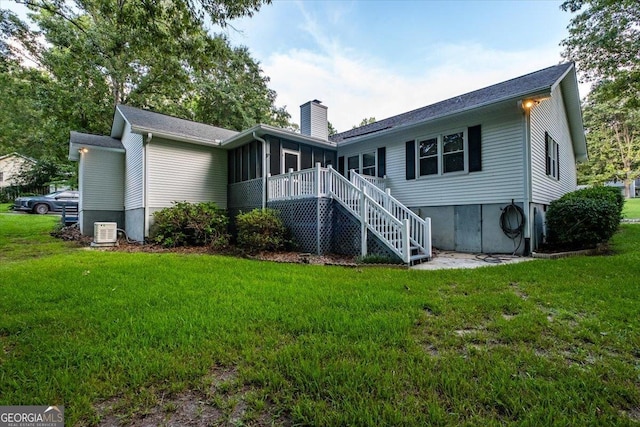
365 121
613 139
604 41
91 55
604 37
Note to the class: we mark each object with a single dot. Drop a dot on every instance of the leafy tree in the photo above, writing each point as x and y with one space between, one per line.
604 37
613 138
365 122
604 40
100 53
332 130
44 173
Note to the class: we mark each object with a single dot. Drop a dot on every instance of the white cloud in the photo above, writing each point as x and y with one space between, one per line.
354 87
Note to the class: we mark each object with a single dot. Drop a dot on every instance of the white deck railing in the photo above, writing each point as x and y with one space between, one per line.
381 183
377 210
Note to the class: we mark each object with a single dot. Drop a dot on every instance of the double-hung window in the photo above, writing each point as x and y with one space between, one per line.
440 154
428 156
364 164
369 164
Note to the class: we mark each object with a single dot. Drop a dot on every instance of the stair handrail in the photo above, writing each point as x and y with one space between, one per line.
420 229
392 231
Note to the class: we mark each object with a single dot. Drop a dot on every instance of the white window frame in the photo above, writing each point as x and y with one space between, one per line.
361 162
286 151
440 136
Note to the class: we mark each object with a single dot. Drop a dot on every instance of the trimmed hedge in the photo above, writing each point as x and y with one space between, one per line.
261 230
584 218
191 224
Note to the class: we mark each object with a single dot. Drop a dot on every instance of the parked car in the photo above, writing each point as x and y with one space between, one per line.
53 202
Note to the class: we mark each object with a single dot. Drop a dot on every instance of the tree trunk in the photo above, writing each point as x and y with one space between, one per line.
627 188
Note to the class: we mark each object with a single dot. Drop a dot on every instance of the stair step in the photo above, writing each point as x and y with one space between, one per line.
418 258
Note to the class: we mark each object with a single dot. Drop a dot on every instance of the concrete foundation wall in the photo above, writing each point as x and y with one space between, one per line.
470 228
493 239
134 222
88 217
442 225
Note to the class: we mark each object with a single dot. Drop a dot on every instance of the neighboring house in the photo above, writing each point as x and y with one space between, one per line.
634 187
10 167
473 173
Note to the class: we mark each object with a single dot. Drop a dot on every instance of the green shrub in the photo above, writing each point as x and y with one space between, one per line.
261 230
600 192
584 218
191 224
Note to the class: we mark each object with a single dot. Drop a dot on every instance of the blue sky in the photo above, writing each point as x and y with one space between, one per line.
381 58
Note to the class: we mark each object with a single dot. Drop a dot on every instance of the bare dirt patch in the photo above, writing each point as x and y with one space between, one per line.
225 401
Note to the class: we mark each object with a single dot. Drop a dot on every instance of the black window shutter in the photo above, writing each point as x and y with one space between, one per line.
274 157
411 159
231 161
382 161
475 148
547 159
558 161
341 165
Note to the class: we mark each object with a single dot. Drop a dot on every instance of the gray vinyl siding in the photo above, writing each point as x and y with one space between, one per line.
550 116
499 181
134 169
102 180
178 171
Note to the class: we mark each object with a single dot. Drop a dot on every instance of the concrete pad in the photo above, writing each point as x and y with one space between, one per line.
449 260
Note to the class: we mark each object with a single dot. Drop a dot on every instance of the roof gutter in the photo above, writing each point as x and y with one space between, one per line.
176 137
534 94
266 129
76 147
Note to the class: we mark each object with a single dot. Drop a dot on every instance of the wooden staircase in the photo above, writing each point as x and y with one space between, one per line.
396 226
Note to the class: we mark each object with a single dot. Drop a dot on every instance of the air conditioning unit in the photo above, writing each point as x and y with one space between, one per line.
105 234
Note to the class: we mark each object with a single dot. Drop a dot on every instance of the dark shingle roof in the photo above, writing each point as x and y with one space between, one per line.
95 140
172 125
527 84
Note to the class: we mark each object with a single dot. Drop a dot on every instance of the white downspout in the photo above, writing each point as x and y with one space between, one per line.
145 180
526 203
264 169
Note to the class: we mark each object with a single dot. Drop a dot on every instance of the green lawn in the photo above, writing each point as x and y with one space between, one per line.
127 335
632 208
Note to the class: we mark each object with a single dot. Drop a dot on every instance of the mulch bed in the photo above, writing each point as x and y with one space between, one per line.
72 233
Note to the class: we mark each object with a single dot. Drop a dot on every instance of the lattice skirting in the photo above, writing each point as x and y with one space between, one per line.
309 221
346 232
245 195
320 225
375 246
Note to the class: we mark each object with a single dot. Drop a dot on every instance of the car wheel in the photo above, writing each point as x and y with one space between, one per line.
41 209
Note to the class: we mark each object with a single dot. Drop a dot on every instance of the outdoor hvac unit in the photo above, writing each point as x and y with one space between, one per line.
105 233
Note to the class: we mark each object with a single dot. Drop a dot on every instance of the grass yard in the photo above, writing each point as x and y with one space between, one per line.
632 208
121 336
